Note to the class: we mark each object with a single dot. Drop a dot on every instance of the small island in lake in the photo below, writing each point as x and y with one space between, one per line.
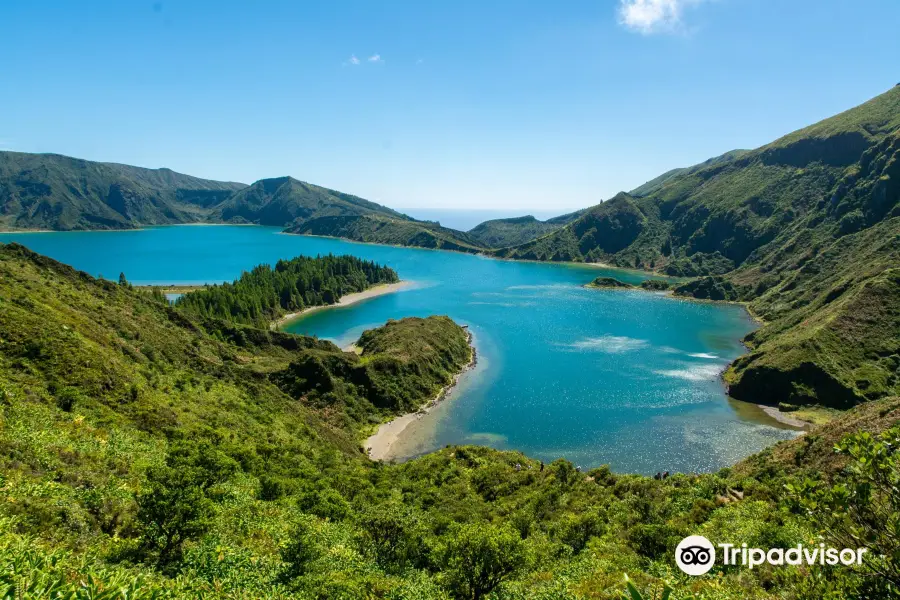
608 283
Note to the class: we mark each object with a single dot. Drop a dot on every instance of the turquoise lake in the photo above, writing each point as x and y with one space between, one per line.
628 378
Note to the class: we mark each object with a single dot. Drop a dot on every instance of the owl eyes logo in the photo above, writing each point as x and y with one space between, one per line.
695 555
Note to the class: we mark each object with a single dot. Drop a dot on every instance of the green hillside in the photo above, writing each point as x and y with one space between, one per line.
657 182
377 229
500 233
49 191
148 452
284 200
806 230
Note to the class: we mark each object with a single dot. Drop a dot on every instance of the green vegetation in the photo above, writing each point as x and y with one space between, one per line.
866 512
266 294
376 229
502 233
151 452
805 230
657 182
656 285
49 191
284 200
608 282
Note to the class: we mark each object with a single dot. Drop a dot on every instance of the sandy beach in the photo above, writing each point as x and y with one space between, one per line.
346 300
378 445
783 417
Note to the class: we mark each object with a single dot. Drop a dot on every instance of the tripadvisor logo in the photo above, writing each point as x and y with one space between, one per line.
696 555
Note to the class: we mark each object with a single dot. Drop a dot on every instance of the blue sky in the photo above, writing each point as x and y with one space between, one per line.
484 104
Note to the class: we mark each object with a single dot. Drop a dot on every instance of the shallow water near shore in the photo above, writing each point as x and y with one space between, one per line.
628 378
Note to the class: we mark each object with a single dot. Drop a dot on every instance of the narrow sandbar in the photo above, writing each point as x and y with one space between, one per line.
346 300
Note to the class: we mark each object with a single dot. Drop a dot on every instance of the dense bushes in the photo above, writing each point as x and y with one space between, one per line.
232 473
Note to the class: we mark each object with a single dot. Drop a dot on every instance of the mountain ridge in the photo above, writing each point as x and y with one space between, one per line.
805 230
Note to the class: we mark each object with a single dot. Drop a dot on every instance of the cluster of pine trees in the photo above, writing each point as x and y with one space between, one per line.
264 294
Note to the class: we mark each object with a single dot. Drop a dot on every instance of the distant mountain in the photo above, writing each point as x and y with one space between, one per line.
598 232
283 200
379 229
49 191
500 233
805 229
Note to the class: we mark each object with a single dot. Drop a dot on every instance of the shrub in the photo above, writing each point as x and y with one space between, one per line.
475 559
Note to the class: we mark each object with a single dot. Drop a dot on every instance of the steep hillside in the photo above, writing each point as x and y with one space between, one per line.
657 182
806 229
49 191
814 452
601 231
501 233
284 200
376 229
147 452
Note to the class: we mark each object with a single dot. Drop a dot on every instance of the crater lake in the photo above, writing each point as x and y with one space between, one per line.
626 378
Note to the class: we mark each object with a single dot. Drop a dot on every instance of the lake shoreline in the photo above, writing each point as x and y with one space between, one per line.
775 413
345 300
378 445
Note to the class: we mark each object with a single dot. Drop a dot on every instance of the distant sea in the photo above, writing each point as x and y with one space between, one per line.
466 219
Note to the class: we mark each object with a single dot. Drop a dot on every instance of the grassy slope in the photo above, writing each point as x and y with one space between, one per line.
657 182
98 380
805 229
49 191
381 230
501 233
814 453
283 200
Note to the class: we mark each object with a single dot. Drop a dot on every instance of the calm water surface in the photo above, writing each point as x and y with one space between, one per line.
628 378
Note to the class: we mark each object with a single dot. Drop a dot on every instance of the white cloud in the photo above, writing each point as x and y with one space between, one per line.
352 60
653 16
376 58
